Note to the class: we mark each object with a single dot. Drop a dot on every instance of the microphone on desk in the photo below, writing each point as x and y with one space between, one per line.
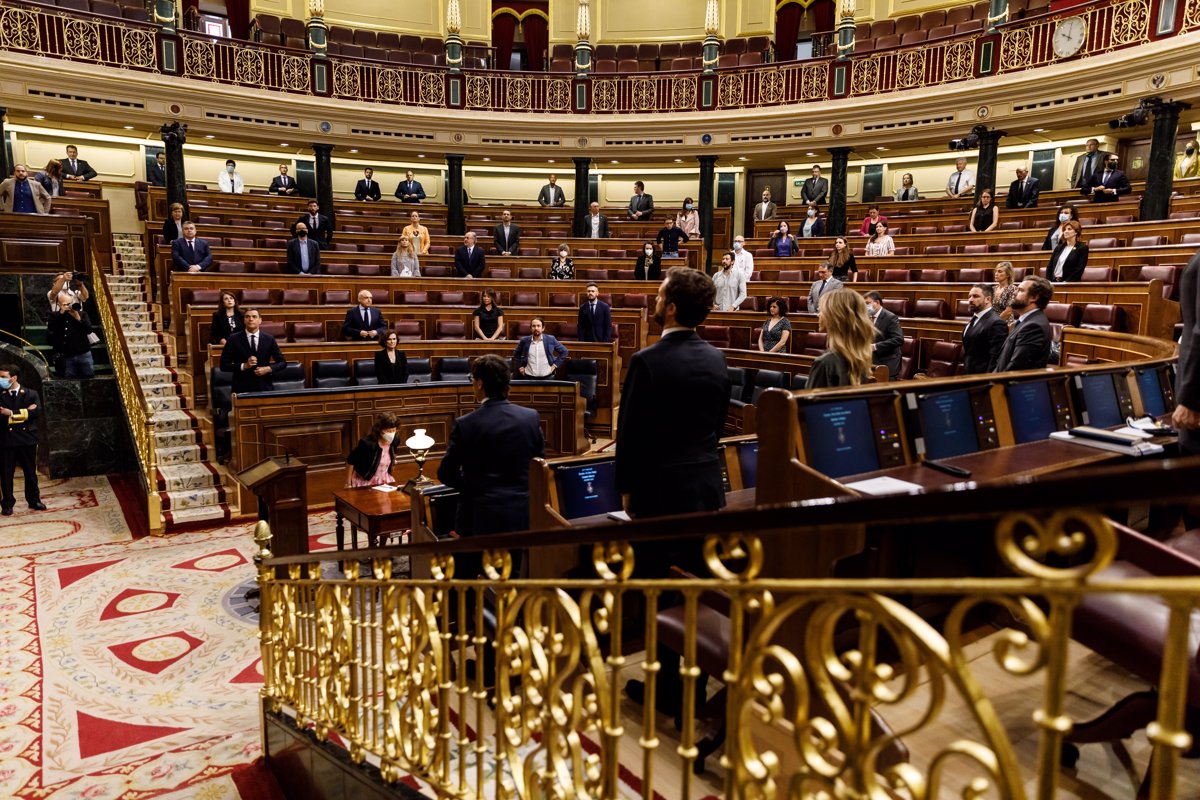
287 454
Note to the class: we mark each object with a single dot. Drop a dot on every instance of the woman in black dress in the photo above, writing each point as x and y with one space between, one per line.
649 264
391 365
775 332
172 228
488 319
226 319
984 216
841 261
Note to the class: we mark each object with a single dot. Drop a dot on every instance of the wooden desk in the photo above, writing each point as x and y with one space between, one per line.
379 514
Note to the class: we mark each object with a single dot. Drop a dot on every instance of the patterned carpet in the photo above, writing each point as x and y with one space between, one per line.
126 669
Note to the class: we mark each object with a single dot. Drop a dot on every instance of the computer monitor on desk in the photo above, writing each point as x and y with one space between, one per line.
1154 387
1105 398
954 423
739 462
839 437
1037 409
587 489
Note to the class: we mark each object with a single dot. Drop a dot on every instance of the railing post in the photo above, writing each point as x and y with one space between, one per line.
456 221
845 31
166 14
836 220
985 171
583 47
174 135
5 167
1160 175
454 42
582 195
712 46
318 31
324 178
997 14
707 175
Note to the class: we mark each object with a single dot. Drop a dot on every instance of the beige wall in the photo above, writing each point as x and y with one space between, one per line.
660 21
346 175
424 17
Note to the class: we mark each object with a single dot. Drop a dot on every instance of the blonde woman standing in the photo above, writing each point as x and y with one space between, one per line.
847 357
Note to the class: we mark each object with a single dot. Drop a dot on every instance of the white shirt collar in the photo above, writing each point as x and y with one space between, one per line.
674 329
1027 313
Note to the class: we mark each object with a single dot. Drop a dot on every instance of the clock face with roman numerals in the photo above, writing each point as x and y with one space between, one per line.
1069 36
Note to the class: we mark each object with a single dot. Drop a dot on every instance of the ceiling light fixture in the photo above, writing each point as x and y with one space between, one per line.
1039 130
128 127
38 116
209 136
420 155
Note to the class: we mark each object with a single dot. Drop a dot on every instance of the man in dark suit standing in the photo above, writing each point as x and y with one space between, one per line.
595 317
816 188
1028 344
468 259
1107 186
1088 163
1186 417
252 356
19 412
303 255
552 194
362 321
641 205
368 187
1023 192
506 236
75 168
283 183
190 254
487 457
320 227
889 336
410 191
539 354
673 408
595 224
157 174
984 336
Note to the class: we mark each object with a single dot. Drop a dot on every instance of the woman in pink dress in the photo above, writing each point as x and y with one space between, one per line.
370 463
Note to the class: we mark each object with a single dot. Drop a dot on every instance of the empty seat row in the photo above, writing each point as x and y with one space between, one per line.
122 9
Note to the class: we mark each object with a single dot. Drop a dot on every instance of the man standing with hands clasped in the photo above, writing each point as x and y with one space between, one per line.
252 356
19 411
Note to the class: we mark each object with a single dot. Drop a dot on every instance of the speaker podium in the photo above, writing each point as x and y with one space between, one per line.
280 484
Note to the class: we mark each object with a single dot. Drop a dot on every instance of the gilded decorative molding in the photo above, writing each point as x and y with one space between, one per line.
199 59
910 69
346 80
959 62
82 39
865 77
583 22
19 28
479 92
248 67
137 48
683 92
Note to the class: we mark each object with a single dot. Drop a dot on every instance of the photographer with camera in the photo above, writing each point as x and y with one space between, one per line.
70 283
70 333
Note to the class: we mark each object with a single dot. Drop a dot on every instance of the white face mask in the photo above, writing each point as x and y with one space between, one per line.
812 213
649 251
562 256
1063 217
229 170
388 436
737 245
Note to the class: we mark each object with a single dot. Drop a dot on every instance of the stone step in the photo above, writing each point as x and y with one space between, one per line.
154 376
182 454
193 499
190 476
190 516
161 391
175 438
164 405
174 419
143 360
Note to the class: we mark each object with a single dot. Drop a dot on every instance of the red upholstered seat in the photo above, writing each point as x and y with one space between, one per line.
1012 225
1099 274
414 298
206 297
815 343
624 275
336 269
955 228
336 297
936 308
944 358
1009 247
975 249
894 275
563 299
449 329
299 297
380 296
1148 241
887 42
254 297
231 266
716 335
791 275
635 301
1104 243
1168 274
266 267
933 275
308 331
913 37
530 273
1102 317
937 249
972 275
408 329
525 298
436 271
499 272
1118 219
371 270
924 229
897 305
962 309
452 298
239 242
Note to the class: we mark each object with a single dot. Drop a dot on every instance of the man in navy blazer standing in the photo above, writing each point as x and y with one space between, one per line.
538 355
303 254
191 253
363 322
487 457
469 261
595 317
252 356
409 190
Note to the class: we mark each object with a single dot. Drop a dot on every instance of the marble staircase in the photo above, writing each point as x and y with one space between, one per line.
189 479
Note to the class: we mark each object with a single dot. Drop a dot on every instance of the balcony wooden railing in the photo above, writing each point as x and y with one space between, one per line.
1025 44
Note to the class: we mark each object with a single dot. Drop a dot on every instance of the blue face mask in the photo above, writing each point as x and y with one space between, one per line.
5 383
737 245
687 206
1063 217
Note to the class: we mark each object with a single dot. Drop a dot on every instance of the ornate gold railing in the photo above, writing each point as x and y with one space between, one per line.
137 409
379 662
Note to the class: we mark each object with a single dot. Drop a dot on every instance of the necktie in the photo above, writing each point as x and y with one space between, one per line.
593 307
366 318
368 182
73 167
192 245
970 325
254 344
820 289
1091 161
312 222
906 194
1107 174
957 181
1022 189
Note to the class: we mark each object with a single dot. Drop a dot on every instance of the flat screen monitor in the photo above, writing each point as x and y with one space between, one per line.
1031 411
1150 387
747 454
587 490
840 437
948 424
1100 400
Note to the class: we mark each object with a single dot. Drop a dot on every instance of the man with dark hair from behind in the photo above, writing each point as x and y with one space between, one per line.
487 457
1028 344
1186 416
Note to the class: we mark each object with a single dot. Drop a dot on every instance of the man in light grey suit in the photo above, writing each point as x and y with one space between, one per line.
822 285
552 194
1186 418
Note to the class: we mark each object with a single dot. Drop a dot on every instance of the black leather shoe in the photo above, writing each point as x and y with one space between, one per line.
8 512
636 691
38 506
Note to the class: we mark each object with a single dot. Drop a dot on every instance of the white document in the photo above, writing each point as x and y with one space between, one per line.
885 485
385 487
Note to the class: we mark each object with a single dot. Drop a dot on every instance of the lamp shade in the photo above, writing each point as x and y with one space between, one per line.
419 440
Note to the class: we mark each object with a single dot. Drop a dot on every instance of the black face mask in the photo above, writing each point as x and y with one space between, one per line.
1112 165
1189 150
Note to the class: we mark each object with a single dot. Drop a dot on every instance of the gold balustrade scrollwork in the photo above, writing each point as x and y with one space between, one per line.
19 28
137 408
384 662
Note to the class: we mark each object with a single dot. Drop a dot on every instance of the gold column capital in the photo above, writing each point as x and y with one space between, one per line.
583 21
712 18
453 17
316 8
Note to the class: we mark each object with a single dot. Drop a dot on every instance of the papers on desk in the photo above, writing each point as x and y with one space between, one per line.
385 487
1126 441
619 516
885 485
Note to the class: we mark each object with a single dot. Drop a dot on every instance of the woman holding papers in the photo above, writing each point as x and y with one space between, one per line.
370 463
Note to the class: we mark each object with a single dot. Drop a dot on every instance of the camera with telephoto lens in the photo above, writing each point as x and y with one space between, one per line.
77 306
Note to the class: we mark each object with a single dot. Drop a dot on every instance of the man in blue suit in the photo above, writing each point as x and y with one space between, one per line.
469 261
190 254
363 322
538 355
487 457
409 190
595 317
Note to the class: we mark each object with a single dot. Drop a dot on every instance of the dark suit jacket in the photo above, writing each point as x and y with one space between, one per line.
595 327
1049 233
1074 265
1028 345
814 190
23 434
321 233
82 168
983 342
362 193
352 326
671 419
221 328
889 338
170 231
387 372
157 175
1017 199
475 265
556 351
183 256
487 460
237 352
818 228
587 226
293 256
552 196
652 272
1187 378
415 189
277 186
642 202
1116 180
511 243
1077 175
